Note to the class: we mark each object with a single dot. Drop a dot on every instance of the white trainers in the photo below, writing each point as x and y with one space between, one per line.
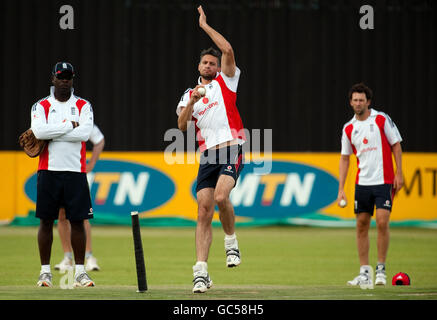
45 280
201 281
233 256
65 265
380 276
83 280
364 279
91 264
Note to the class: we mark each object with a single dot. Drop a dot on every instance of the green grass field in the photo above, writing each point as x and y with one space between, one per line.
281 263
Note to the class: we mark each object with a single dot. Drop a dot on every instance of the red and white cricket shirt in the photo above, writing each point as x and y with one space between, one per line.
51 120
216 116
371 140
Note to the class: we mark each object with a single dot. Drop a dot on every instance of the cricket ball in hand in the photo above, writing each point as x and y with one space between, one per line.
342 203
202 91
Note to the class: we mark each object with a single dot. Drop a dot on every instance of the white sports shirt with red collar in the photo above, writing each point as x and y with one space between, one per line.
51 120
216 116
371 140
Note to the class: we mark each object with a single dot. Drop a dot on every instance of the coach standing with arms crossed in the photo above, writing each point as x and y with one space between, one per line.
66 121
372 136
218 122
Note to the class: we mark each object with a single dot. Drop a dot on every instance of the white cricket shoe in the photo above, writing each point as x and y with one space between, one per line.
65 265
45 280
83 280
364 279
233 256
201 281
91 264
380 276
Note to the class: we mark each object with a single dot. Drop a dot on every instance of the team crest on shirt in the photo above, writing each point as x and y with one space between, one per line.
365 141
205 100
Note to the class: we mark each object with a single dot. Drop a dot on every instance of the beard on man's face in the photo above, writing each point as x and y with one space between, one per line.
207 77
359 111
208 73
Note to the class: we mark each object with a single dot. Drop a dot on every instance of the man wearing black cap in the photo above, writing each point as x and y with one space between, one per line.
66 121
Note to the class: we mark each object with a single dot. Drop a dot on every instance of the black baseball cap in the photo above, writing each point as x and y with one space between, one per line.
63 70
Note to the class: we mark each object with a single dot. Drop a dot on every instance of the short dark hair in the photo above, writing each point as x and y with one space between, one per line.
213 52
361 88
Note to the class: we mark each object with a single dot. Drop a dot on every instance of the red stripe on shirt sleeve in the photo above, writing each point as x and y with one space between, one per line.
234 119
79 104
348 130
83 157
386 151
44 155
44 159
46 105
